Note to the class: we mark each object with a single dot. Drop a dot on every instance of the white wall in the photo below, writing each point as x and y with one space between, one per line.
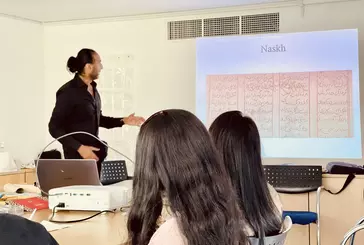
21 87
165 70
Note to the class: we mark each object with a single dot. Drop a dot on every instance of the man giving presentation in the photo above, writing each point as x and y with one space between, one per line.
78 108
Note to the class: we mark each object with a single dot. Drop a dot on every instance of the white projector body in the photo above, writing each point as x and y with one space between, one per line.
91 198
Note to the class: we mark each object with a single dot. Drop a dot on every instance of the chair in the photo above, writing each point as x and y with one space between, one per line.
278 239
113 171
351 233
294 179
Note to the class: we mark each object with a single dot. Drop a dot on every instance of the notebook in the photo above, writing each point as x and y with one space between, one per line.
29 204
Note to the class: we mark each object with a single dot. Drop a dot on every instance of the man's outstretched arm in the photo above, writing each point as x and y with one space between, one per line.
113 122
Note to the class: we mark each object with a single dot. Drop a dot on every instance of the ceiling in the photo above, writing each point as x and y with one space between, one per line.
65 10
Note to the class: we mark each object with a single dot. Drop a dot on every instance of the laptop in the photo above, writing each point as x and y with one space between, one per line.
54 173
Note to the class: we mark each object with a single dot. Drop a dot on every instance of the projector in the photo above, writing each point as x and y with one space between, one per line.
90 198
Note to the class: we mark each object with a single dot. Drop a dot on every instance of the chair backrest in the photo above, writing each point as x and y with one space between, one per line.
294 178
113 171
278 239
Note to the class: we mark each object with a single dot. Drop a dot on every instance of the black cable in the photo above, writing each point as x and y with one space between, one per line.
74 221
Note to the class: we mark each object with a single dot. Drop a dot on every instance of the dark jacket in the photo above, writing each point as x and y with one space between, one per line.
16 230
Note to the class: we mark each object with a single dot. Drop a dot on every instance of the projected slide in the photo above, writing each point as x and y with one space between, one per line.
302 90
302 104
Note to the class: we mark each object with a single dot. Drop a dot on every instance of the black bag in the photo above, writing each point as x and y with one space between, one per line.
344 168
52 154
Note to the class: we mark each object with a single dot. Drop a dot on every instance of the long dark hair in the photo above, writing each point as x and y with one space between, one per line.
175 156
237 139
77 64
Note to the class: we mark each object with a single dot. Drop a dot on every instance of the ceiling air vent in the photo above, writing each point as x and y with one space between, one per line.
184 29
224 26
260 23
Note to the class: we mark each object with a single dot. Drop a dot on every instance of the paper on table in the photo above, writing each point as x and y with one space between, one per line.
53 226
21 188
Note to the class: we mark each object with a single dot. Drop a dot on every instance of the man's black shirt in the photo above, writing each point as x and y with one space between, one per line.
77 110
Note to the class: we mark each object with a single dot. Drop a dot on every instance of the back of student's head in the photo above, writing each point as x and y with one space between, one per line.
175 156
237 139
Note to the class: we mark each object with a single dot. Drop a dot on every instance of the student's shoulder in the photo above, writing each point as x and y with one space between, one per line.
168 233
170 224
18 230
272 190
8 220
274 194
276 198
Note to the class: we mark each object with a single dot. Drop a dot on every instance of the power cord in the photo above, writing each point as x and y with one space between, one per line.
60 205
61 137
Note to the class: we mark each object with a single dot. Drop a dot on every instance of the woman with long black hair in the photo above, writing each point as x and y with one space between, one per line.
237 139
176 159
